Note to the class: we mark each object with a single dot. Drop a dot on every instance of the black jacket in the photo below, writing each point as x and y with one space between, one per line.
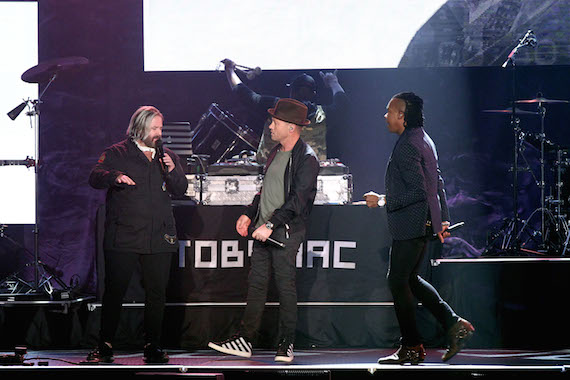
300 188
414 187
138 218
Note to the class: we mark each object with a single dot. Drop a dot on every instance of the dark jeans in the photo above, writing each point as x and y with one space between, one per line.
119 268
405 284
268 259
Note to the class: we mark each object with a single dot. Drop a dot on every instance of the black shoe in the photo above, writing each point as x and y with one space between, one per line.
237 345
458 335
284 351
154 355
102 354
405 354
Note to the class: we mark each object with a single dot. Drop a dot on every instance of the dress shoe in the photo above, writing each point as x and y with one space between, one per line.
405 354
458 335
103 353
154 355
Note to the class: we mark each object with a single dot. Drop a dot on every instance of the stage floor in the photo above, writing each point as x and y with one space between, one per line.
315 363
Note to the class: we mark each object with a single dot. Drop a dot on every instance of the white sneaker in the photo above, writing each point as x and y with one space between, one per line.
236 345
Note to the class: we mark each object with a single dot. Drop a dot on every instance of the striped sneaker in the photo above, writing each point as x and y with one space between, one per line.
236 345
284 351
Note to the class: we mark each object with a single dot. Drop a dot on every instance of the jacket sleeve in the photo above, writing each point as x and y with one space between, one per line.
412 176
176 181
104 173
339 105
260 103
442 197
305 186
251 210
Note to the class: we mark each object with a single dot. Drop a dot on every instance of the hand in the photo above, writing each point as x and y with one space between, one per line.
229 64
123 178
167 160
374 200
329 79
242 225
443 234
262 233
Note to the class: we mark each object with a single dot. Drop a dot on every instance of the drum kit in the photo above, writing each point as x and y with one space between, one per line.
553 235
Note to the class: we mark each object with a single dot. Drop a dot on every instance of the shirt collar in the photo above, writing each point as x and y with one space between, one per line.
144 148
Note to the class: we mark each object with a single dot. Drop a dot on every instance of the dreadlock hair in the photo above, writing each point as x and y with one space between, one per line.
414 113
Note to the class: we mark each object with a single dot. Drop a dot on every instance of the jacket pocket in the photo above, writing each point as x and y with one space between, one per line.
130 236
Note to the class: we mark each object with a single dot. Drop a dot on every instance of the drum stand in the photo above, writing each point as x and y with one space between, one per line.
561 219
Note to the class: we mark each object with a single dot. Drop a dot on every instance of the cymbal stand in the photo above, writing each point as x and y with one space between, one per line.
541 184
43 274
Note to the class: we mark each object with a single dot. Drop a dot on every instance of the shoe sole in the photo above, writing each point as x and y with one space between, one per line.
160 361
284 359
229 351
459 346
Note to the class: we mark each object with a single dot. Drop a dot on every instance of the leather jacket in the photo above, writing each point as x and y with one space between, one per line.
300 189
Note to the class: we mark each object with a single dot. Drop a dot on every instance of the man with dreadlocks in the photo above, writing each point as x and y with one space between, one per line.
416 209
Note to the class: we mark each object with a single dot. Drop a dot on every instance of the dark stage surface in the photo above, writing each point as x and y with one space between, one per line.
331 363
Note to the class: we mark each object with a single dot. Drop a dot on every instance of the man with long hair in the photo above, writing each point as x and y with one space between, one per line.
140 178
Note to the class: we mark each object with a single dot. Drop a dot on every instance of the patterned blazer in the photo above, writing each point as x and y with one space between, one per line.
414 187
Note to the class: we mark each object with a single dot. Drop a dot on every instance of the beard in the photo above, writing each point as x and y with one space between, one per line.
150 141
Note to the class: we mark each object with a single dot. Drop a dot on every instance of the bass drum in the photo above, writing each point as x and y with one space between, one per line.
219 136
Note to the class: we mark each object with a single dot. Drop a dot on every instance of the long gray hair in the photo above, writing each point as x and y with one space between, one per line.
138 126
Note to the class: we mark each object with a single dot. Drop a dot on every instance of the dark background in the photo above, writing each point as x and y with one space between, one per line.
85 112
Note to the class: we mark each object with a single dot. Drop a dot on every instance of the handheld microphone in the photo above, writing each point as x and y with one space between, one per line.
160 153
450 229
159 148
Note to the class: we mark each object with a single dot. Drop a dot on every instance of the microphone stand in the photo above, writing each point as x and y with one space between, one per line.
42 281
528 39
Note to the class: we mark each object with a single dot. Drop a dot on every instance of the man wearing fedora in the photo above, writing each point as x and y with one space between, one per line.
324 119
278 214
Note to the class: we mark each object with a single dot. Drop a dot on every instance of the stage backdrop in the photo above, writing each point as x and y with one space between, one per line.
343 296
86 112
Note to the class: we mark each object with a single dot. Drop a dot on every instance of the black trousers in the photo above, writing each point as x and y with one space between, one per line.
406 286
119 268
268 259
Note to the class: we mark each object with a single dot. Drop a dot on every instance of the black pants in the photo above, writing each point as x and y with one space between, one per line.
406 285
266 259
119 268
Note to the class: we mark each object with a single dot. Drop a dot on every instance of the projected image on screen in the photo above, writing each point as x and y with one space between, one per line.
19 27
280 35
483 33
345 34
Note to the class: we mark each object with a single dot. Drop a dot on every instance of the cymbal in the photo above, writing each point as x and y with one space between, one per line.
44 71
509 111
540 100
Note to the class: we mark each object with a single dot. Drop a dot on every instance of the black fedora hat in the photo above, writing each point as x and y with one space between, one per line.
291 111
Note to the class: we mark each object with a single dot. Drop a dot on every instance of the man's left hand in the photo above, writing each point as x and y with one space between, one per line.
168 162
262 233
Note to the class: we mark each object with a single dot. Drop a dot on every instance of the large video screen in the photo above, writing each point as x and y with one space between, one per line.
19 43
345 34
